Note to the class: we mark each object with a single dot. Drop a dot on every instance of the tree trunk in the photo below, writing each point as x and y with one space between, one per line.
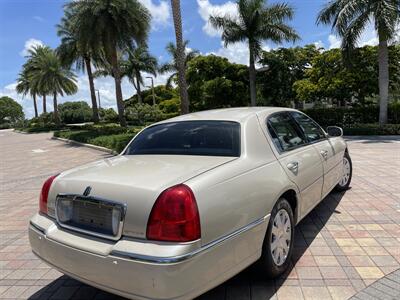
118 90
176 12
35 105
252 75
383 80
138 88
55 113
44 104
95 116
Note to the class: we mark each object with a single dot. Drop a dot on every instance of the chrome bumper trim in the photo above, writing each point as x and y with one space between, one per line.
180 258
38 228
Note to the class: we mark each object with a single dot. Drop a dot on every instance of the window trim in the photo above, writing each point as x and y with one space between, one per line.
297 126
315 123
124 152
308 142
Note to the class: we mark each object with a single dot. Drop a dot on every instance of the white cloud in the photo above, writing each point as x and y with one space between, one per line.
237 53
206 9
319 44
160 12
334 41
29 44
38 18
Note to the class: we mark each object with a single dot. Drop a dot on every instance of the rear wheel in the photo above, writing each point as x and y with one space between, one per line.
347 172
278 242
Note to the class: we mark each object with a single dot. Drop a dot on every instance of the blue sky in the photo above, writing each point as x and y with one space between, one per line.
24 23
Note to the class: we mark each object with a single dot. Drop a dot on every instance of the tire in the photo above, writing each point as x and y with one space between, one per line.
345 181
268 262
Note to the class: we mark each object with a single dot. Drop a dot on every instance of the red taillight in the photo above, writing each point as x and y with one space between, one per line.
174 217
44 194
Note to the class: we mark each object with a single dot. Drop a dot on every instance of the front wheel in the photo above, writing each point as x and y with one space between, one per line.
347 173
278 242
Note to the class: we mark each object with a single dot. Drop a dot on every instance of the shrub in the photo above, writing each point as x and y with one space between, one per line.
75 112
108 115
10 111
344 117
140 114
171 106
372 129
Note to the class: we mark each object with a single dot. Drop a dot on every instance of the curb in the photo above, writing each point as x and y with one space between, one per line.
19 131
99 148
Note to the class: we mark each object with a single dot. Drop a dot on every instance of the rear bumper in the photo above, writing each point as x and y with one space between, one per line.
124 267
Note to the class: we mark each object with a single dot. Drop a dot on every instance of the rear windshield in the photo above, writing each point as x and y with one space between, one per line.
209 138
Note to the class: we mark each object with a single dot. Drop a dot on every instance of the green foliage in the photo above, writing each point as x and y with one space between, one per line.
171 106
140 114
331 79
75 112
161 92
283 67
10 111
346 117
372 129
214 82
108 115
111 136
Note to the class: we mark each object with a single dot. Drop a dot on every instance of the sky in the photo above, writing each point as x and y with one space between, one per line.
25 23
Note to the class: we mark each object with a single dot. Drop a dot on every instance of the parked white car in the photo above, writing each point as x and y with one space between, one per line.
190 202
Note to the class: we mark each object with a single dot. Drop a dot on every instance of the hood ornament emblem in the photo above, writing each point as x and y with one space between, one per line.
87 191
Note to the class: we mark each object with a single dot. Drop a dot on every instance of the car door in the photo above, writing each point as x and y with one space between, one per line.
326 150
299 159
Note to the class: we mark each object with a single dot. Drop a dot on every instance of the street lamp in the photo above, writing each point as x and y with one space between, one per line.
98 96
152 89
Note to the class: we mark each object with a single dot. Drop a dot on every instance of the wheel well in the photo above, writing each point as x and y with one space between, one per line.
291 197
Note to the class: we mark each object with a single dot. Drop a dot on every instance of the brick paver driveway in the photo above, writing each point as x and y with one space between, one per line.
346 243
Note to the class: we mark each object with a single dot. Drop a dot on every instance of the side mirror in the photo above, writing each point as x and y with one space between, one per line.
334 131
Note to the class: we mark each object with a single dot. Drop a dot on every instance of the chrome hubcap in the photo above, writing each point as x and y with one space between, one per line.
281 237
345 172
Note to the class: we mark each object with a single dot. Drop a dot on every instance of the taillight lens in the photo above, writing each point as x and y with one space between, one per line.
44 194
174 217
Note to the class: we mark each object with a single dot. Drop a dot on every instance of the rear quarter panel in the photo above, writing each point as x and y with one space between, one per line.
242 191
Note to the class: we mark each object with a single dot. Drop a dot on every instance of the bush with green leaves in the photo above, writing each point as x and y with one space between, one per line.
141 114
171 106
372 129
10 111
75 112
108 115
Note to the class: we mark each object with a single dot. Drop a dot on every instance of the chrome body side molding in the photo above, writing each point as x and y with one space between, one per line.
180 258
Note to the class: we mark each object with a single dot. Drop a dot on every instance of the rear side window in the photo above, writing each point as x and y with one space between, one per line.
312 130
209 138
284 131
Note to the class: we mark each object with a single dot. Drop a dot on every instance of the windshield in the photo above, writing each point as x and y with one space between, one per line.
209 138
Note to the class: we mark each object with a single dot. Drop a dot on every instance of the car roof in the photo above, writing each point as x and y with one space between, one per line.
238 114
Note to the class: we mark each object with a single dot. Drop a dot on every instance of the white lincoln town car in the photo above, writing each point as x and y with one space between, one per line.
190 202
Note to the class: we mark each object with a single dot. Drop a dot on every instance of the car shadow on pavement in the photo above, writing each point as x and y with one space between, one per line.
251 283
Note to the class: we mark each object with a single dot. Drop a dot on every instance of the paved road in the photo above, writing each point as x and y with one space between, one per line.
348 242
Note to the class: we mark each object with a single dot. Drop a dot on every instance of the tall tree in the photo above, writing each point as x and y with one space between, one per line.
25 86
49 76
256 22
72 51
172 66
111 26
30 68
180 56
139 60
349 18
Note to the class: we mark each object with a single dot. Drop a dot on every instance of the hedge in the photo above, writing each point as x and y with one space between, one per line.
345 117
372 129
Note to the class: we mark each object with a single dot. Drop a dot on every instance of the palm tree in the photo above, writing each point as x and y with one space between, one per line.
180 56
349 18
49 76
24 86
111 26
172 66
139 60
30 68
73 51
256 22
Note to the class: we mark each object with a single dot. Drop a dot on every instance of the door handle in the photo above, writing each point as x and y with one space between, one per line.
293 166
324 154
